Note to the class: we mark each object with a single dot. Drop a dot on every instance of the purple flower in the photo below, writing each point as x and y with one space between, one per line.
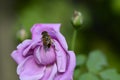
44 57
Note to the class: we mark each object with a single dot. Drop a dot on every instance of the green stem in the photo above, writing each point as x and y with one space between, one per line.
73 39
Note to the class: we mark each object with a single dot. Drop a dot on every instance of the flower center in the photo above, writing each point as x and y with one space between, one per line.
45 57
45 53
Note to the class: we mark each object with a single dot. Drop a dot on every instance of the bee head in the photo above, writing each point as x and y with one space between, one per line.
44 33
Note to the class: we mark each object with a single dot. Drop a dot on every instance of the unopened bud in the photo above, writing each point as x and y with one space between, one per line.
77 20
22 34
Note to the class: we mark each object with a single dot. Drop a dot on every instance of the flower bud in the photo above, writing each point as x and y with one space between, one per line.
77 20
22 34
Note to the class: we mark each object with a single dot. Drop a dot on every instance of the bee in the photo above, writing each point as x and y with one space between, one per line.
47 41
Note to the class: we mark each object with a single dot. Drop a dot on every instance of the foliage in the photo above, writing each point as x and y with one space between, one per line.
96 61
94 67
88 76
110 74
80 59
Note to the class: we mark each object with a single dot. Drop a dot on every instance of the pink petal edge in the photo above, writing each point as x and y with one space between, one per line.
29 70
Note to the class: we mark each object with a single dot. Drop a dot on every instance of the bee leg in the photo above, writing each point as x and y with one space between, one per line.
53 45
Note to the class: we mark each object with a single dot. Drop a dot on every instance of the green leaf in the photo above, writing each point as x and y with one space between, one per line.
88 76
96 61
110 74
80 59
76 73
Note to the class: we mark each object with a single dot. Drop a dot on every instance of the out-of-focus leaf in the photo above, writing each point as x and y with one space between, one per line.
96 61
80 59
76 73
88 76
110 74
115 6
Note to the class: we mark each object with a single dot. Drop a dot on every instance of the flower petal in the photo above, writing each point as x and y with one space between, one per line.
50 72
61 40
45 57
61 57
52 29
37 29
70 69
29 50
24 44
17 56
29 70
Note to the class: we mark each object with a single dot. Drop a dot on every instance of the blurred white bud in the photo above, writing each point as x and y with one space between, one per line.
22 34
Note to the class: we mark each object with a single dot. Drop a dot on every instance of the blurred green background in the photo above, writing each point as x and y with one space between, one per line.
101 28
